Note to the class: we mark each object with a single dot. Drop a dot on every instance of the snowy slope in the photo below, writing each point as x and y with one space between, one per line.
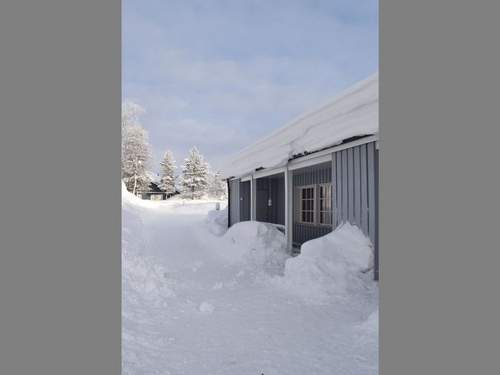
199 300
352 113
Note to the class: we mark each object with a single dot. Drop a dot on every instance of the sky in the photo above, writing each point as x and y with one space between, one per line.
221 74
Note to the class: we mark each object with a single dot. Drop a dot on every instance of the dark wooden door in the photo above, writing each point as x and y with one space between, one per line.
245 202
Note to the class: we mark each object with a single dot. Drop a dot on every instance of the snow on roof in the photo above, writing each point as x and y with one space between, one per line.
352 113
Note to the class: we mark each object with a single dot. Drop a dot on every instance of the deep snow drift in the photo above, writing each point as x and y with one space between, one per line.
332 267
200 299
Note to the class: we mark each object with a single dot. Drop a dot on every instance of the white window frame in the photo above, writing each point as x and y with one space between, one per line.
301 189
330 199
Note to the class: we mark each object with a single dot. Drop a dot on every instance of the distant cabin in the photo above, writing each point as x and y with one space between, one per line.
154 193
315 173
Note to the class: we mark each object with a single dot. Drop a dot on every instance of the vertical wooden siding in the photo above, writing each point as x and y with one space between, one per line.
356 188
234 201
245 201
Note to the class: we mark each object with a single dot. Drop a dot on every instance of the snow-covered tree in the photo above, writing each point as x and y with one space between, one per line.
136 151
194 175
167 173
131 112
217 188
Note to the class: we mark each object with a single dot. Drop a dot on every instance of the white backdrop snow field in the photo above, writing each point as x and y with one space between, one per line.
198 299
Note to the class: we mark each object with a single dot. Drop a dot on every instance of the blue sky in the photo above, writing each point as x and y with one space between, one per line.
220 74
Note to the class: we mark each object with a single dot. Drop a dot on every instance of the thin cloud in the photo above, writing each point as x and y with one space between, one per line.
219 76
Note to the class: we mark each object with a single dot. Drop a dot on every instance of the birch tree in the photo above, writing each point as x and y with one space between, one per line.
136 150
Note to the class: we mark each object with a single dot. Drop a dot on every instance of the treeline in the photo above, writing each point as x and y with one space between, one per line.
196 179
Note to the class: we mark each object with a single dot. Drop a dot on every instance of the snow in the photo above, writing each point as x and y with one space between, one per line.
260 246
207 307
198 302
332 266
217 221
352 113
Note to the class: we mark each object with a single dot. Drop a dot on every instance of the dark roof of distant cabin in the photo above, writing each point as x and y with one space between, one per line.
153 188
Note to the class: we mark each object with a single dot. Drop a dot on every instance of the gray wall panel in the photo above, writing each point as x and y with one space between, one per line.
343 180
364 190
234 203
245 203
357 189
357 184
371 190
338 185
350 184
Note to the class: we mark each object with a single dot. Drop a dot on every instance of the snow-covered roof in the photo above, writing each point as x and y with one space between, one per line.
352 113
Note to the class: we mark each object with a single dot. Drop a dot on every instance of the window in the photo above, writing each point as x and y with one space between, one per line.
307 204
315 204
325 204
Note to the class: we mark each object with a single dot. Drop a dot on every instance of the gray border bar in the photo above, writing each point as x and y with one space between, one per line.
60 187
439 187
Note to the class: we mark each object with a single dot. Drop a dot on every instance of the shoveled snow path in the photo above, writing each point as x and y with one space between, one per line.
224 319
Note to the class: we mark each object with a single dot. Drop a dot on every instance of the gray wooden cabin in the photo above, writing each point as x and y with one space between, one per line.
312 193
154 193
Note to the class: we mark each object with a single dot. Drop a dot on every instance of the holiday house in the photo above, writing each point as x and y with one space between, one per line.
315 173
154 193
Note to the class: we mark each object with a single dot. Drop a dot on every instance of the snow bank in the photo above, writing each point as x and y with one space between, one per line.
143 279
370 325
129 199
217 221
332 266
352 113
260 245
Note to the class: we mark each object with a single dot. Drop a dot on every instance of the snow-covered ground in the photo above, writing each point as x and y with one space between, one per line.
200 300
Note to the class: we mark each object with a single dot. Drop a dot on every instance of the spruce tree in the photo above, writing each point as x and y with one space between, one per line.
194 175
167 173
217 187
